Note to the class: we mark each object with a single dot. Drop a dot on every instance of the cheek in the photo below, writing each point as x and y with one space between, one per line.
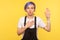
32 10
27 10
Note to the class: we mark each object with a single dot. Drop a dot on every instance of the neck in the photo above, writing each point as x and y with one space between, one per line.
30 16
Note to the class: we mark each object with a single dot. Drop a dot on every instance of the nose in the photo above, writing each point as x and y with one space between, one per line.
30 9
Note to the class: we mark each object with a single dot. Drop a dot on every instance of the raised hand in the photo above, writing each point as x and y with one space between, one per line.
47 13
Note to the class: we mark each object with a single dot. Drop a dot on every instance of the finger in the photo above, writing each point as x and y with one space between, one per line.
47 9
32 21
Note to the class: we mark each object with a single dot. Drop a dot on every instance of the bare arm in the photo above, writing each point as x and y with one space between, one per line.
21 30
48 26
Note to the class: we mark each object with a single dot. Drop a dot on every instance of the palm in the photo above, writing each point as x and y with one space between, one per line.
47 13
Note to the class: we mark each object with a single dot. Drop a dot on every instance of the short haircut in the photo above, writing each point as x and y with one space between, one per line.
28 3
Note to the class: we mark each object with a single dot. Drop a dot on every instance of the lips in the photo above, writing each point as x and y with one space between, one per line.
30 12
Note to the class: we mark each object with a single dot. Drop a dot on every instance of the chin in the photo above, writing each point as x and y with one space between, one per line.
30 15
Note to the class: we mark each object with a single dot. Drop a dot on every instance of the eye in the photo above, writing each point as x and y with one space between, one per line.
32 7
27 7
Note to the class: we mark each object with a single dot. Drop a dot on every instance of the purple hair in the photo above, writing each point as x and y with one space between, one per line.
28 3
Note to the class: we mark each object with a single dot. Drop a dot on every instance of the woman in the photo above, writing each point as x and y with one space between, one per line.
28 25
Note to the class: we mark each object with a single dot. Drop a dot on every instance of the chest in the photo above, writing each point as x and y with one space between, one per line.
33 19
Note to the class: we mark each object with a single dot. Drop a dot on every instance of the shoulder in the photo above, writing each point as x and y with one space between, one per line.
38 18
21 18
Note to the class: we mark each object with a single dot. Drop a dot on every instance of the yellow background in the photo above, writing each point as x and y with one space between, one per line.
12 10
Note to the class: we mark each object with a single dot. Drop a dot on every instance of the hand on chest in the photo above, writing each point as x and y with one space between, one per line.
29 20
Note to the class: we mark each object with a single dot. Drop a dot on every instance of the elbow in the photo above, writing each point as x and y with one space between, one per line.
48 30
18 33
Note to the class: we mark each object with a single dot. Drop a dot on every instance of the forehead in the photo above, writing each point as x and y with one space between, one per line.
30 5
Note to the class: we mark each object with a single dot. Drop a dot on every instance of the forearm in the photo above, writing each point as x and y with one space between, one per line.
21 30
48 26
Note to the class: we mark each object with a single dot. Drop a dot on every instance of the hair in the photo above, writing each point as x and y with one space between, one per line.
28 3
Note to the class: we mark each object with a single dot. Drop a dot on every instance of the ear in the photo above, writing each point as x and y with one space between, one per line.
25 10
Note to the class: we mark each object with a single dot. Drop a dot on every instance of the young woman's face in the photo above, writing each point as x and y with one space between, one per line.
30 9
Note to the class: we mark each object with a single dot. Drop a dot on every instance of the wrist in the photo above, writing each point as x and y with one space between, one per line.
26 26
48 20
